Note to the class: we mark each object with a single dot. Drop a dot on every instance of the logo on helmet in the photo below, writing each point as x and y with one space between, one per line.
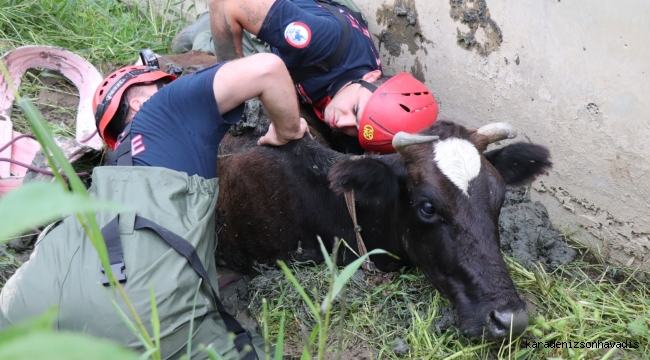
368 132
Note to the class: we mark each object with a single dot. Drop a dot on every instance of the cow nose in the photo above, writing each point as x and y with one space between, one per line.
499 323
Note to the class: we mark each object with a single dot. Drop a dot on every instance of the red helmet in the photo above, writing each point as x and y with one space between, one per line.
400 104
108 95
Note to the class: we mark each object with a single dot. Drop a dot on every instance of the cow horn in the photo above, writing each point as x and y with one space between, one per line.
498 131
402 140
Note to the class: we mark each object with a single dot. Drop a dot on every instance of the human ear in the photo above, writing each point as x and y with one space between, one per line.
372 76
136 103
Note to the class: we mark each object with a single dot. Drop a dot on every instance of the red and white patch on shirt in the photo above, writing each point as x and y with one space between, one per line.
297 34
137 145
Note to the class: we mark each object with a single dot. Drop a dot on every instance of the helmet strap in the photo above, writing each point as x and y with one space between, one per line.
101 107
365 84
161 83
122 110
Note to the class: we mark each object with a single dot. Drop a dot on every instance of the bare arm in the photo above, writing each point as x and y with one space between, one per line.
228 19
264 76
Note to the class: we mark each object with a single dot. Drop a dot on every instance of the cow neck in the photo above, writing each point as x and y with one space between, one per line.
322 157
367 264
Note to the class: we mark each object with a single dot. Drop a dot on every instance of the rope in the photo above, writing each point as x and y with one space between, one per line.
16 139
39 170
367 265
89 137
34 168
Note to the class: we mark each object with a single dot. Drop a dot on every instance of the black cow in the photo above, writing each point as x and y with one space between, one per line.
435 205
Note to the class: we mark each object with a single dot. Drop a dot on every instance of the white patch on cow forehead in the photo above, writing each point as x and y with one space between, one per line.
459 161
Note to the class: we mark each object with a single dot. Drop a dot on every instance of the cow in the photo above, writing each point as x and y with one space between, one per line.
434 204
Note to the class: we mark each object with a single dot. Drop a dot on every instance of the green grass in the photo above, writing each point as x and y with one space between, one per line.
108 33
581 302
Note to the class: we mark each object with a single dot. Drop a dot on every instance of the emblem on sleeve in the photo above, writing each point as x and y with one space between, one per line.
297 34
137 145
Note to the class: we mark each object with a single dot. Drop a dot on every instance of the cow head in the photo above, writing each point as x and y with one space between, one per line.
449 193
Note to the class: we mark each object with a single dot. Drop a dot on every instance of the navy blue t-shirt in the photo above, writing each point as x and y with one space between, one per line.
303 33
180 126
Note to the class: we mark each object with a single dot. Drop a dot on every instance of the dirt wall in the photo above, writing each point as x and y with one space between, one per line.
572 75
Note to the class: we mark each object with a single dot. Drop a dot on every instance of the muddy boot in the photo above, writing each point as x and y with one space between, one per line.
185 39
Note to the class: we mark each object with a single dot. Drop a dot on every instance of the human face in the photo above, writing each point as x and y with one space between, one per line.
344 112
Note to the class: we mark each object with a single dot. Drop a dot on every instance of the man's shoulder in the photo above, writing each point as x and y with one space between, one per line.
297 8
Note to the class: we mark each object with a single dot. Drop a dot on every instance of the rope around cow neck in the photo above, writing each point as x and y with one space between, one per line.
367 265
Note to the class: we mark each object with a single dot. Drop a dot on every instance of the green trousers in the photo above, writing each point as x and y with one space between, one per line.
65 271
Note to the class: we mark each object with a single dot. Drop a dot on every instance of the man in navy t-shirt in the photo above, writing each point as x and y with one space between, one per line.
333 62
179 125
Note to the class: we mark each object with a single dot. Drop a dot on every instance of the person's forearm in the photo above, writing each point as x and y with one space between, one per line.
279 98
264 76
281 104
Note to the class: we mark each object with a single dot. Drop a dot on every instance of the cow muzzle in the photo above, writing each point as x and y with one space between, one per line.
493 322
509 320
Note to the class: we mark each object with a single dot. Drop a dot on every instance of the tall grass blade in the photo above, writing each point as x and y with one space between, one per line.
326 257
299 288
35 204
279 346
134 329
155 320
211 352
349 271
189 340
43 322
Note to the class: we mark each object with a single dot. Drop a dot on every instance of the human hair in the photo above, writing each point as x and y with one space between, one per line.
124 113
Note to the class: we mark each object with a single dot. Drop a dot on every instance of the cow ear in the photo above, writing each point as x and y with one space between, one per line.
372 180
520 163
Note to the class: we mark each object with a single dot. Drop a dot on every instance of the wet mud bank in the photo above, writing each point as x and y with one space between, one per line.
528 235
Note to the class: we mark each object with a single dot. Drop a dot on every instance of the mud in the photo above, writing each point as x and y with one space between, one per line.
57 100
484 34
402 28
528 235
417 70
446 320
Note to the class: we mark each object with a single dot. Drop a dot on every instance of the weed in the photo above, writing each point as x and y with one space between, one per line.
578 302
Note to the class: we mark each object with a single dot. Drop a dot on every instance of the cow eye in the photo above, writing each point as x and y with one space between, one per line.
427 209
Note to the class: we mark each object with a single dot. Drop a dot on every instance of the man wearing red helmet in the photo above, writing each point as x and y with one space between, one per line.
179 126
333 62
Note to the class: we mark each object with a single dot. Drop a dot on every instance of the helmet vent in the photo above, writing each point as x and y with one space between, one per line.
405 108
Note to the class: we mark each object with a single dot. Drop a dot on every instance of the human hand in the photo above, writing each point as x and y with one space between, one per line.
275 137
